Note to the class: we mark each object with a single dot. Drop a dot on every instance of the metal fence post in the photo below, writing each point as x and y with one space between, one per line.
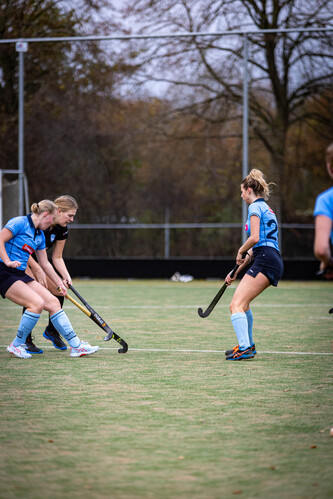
21 47
245 134
167 233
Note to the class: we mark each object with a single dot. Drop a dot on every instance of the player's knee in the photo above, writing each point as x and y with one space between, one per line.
52 304
233 306
36 304
237 306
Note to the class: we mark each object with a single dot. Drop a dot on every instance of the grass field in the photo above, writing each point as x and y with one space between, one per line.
171 418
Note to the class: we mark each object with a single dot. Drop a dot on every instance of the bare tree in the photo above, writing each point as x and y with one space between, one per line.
287 70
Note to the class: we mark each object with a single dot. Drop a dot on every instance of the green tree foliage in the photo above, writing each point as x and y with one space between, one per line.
69 92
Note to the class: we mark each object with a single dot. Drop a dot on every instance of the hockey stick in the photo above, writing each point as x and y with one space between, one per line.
90 312
215 300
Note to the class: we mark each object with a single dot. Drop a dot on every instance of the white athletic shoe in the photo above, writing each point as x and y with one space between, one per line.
19 351
83 349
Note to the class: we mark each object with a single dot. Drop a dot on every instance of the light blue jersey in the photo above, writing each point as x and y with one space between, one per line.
324 206
25 241
268 234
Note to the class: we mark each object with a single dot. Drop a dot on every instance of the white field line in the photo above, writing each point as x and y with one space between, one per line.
322 317
254 305
173 350
158 307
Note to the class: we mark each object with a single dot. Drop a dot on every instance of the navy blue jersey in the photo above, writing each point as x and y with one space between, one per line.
268 234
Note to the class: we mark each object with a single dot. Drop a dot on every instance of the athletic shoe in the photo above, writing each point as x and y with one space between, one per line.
55 337
83 349
236 349
31 347
19 351
233 350
241 354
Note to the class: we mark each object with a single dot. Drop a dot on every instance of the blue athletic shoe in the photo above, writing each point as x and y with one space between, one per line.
236 349
30 346
55 338
241 354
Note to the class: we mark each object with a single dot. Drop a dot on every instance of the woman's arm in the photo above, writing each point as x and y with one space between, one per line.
37 272
58 261
5 236
321 247
246 248
250 242
49 270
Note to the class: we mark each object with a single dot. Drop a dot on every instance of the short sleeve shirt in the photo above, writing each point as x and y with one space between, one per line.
324 206
55 233
269 233
25 241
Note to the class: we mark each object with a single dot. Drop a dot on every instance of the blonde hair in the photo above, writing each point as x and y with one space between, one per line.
256 180
329 156
42 206
66 203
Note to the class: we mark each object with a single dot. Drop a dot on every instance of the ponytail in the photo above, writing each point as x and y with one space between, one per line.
256 180
42 206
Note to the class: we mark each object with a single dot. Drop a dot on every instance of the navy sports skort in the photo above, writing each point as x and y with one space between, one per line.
268 261
8 276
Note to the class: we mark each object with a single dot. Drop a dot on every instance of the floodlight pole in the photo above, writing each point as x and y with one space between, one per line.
21 47
245 169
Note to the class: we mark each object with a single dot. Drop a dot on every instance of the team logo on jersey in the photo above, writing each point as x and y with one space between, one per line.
28 249
52 237
246 227
270 209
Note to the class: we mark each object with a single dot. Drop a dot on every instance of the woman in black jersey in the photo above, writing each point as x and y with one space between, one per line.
55 237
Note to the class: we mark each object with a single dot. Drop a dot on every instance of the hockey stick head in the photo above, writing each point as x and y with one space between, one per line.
202 313
111 335
123 350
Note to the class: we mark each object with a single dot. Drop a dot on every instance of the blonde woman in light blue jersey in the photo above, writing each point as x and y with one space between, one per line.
262 249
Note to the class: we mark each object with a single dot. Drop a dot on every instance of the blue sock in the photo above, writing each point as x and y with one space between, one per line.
28 322
239 321
249 317
64 327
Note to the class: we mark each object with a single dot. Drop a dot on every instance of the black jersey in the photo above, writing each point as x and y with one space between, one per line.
55 233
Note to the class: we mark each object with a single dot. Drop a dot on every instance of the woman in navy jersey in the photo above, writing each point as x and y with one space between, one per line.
262 248
55 238
20 238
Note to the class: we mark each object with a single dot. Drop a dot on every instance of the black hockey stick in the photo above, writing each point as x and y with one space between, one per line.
215 300
90 312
